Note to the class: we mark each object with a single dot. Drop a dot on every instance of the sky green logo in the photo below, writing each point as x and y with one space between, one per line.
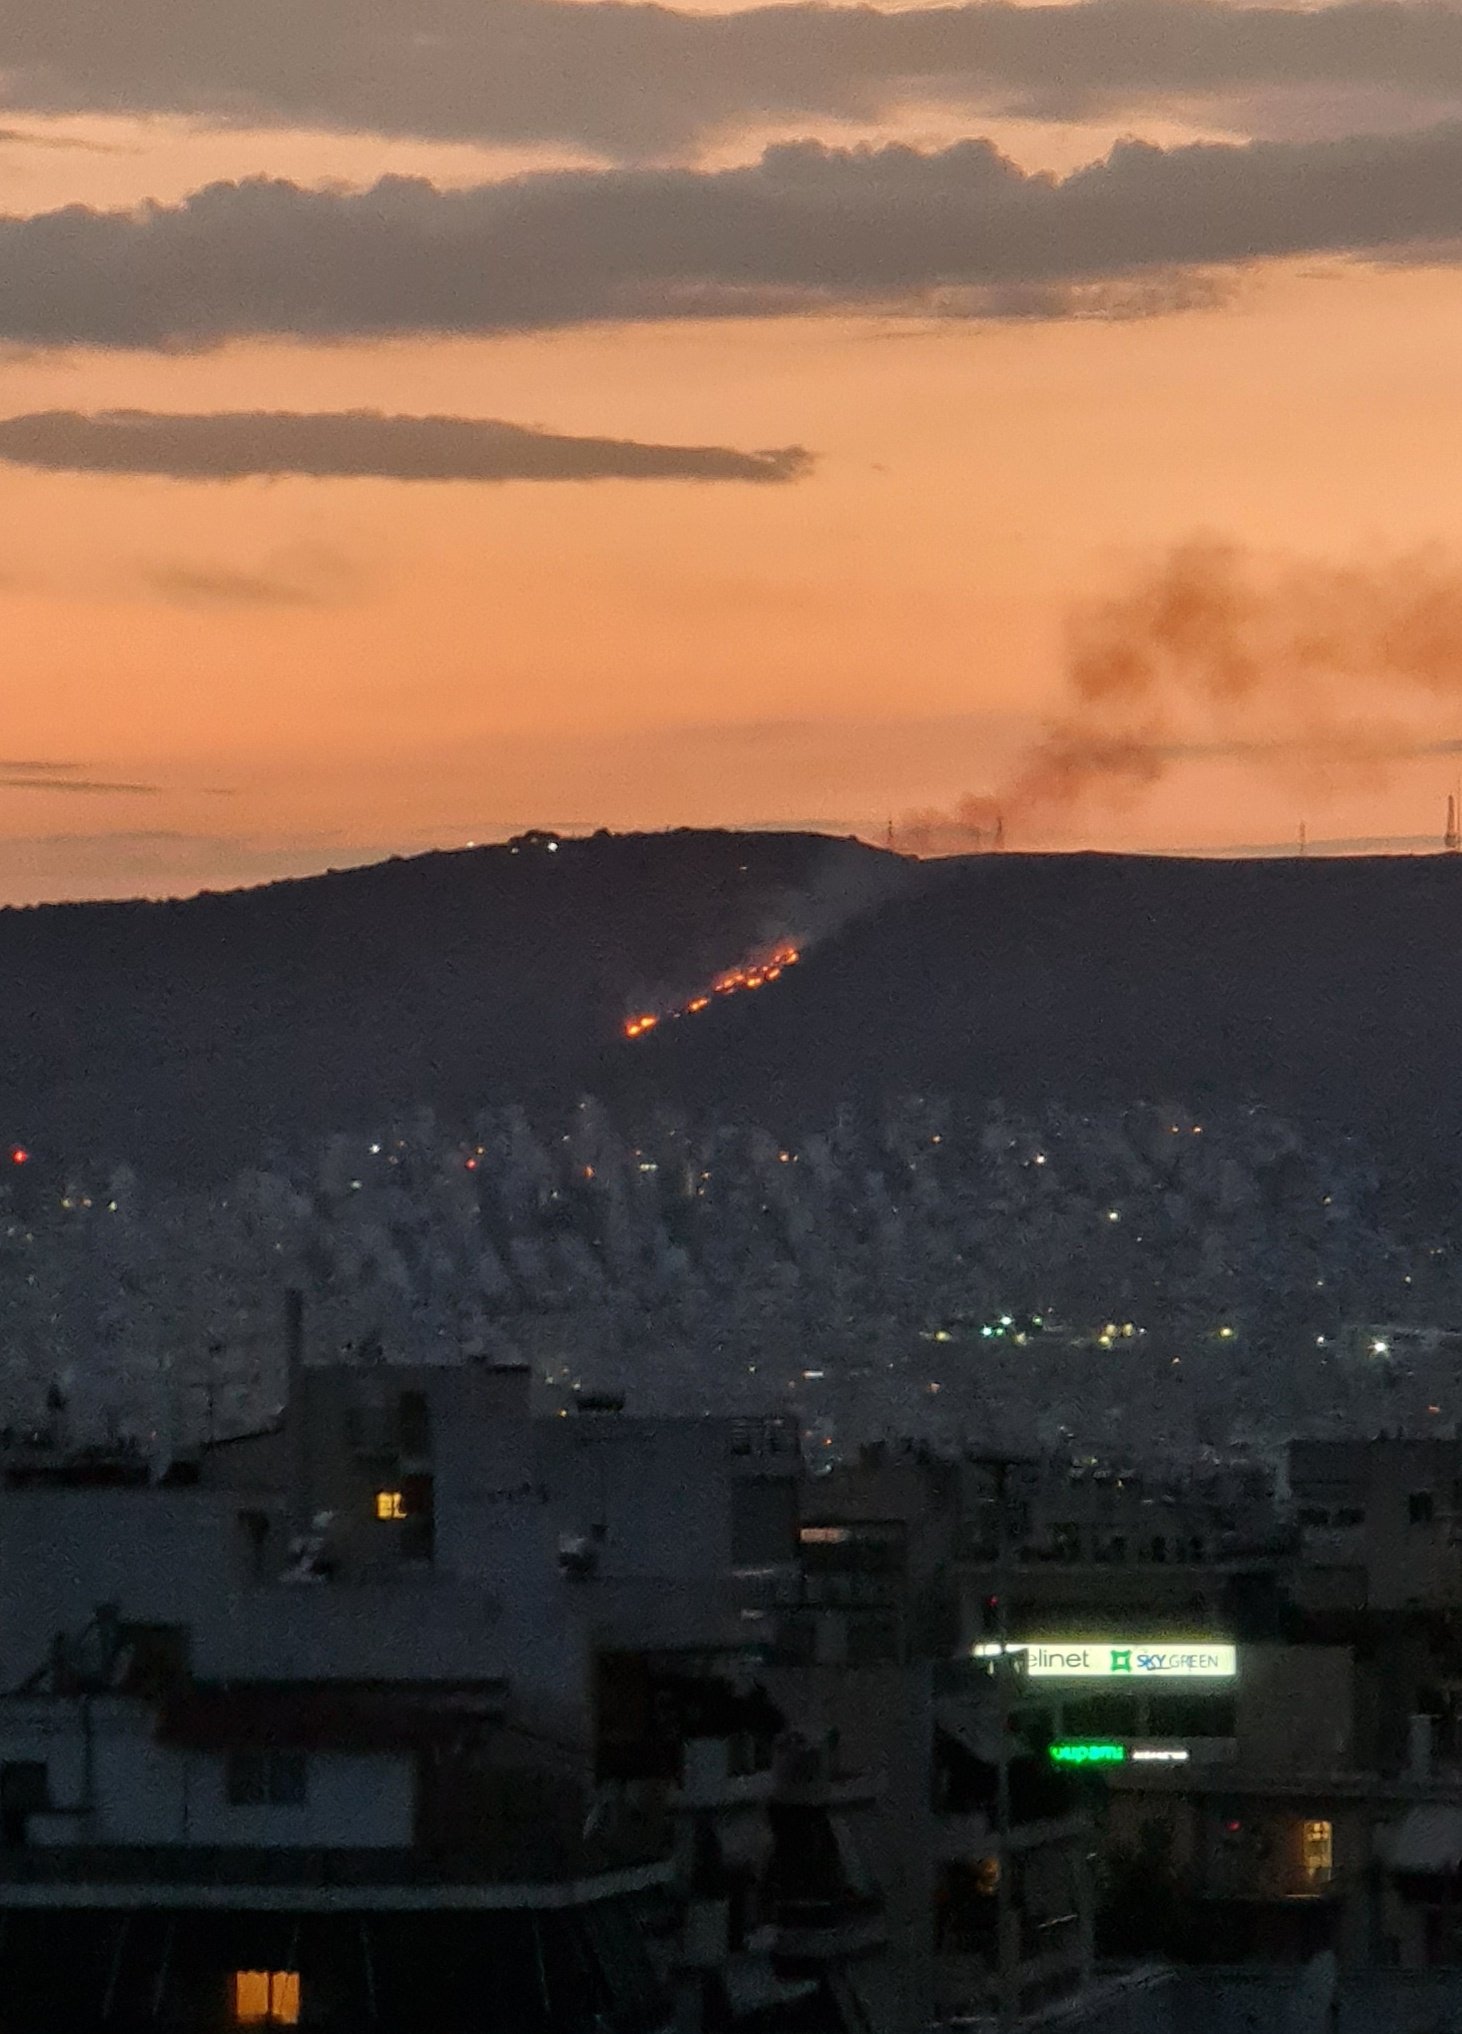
1121 1659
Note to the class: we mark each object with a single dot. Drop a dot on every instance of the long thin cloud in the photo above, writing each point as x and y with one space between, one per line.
636 80
85 786
29 774
806 228
360 444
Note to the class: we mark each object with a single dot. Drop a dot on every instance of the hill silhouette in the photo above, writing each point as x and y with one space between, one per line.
1329 989
193 1037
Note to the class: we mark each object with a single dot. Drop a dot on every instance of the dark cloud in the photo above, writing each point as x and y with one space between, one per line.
635 80
359 444
86 785
957 231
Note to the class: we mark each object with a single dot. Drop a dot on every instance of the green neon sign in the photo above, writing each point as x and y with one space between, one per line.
1085 1752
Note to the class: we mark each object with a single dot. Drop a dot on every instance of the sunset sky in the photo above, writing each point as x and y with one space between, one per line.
877 353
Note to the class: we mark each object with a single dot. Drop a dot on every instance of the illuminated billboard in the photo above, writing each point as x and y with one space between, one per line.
1103 1752
1130 1660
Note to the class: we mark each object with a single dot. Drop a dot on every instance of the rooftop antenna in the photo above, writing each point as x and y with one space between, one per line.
1304 840
1452 839
999 831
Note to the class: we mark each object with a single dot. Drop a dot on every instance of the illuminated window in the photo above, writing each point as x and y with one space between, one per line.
390 1504
1317 1848
266 1998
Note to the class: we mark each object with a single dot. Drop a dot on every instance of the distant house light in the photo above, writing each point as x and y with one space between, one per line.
390 1504
824 1536
266 1998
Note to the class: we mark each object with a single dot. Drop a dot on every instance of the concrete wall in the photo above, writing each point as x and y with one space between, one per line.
111 1782
884 1719
1406 1560
652 1501
1296 1708
354 1801
163 1556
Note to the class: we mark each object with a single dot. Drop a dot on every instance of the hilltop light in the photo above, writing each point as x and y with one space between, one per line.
1380 1347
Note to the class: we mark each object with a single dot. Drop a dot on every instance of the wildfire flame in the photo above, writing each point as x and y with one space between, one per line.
752 975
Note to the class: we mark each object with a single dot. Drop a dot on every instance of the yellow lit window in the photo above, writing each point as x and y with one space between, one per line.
266 1998
1317 1848
390 1504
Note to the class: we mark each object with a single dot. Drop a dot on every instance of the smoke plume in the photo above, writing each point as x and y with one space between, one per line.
1324 673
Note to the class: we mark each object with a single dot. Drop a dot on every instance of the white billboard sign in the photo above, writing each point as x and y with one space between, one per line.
1131 1659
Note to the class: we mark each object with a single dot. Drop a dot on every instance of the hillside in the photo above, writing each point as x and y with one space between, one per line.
1327 989
193 1037
196 1036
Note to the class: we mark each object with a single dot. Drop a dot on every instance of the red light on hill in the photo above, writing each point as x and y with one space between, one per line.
19 1155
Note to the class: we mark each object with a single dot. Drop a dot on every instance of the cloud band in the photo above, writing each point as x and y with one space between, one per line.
539 71
805 228
360 444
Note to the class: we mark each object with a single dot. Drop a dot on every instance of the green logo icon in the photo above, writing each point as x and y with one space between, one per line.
1121 1660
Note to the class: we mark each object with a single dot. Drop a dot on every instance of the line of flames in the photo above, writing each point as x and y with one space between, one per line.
753 975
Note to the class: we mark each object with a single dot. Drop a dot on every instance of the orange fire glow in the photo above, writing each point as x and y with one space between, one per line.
752 975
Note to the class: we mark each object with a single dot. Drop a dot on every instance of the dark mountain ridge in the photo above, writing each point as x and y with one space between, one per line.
1329 989
192 1037
197 1035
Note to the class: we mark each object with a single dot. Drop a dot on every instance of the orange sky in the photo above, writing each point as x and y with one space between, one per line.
311 672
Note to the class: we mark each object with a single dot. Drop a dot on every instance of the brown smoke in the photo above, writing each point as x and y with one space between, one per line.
973 825
1316 671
